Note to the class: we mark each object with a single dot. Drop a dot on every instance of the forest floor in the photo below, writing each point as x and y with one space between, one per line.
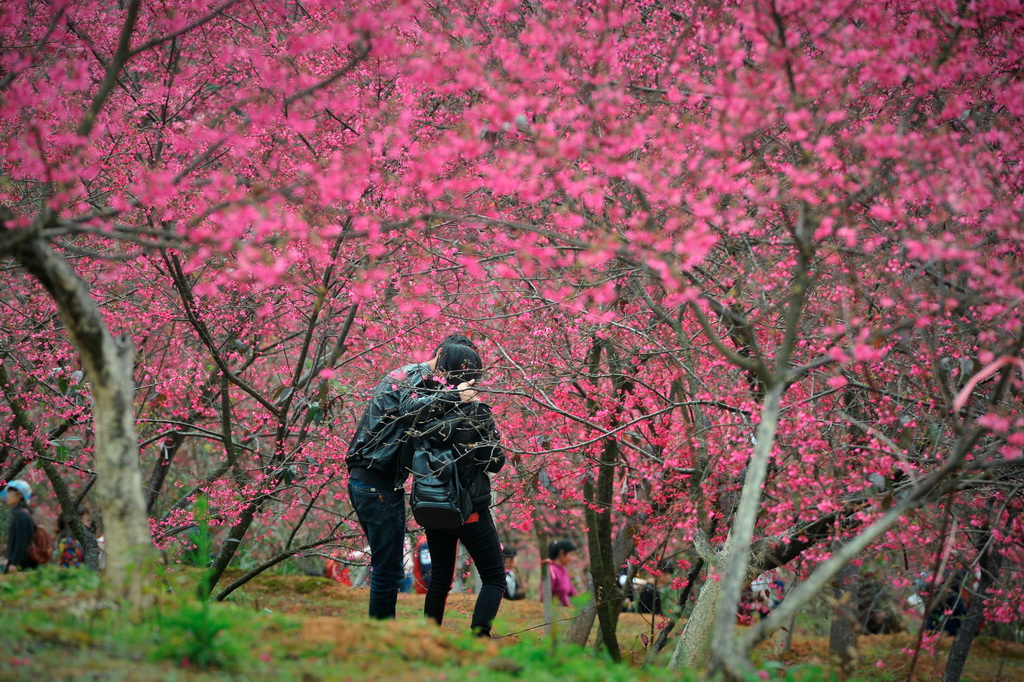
308 629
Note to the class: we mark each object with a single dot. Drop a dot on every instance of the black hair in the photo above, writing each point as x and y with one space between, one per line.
455 340
510 552
559 547
458 364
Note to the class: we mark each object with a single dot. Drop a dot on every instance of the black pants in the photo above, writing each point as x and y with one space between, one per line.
481 541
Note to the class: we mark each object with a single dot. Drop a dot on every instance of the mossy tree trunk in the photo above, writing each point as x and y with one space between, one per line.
603 569
107 362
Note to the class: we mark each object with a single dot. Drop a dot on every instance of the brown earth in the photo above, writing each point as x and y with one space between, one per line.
335 615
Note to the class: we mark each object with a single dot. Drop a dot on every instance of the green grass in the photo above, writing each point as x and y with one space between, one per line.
306 628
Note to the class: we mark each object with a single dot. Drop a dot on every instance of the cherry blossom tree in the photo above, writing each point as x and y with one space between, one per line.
746 276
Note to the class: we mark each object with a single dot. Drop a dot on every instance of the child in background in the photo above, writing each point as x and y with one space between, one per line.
70 553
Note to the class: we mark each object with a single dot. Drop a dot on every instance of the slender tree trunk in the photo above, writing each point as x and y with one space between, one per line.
545 577
228 548
785 641
161 467
108 366
579 633
597 512
842 643
734 577
684 596
599 540
69 509
582 624
991 562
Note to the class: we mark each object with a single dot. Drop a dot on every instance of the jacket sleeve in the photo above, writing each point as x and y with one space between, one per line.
22 530
414 402
399 401
489 454
487 450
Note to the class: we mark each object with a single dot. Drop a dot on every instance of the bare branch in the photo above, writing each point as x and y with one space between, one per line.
174 34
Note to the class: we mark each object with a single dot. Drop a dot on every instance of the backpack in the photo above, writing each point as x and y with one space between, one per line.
40 550
438 499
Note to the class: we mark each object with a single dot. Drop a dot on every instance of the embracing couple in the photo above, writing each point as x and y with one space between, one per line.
426 407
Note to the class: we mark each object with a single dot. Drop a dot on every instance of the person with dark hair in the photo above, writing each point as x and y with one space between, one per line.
458 364
513 590
380 453
23 527
560 554
469 432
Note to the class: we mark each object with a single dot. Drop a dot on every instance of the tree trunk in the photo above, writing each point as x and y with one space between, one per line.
659 643
108 366
785 640
693 650
842 643
161 467
990 563
228 548
579 632
603 569
545 577
582 624
736 562
90 547
693 647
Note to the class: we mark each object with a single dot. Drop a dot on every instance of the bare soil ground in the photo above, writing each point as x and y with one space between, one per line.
335 614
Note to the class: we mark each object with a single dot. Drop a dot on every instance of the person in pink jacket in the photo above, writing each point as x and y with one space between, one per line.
560 555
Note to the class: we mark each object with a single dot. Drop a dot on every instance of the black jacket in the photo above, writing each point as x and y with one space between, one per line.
23 528
404 399
469 431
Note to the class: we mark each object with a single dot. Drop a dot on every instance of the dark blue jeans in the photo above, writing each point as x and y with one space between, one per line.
381 514
481 541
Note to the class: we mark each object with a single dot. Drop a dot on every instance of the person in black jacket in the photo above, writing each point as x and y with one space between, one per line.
379 456
470 431
23 527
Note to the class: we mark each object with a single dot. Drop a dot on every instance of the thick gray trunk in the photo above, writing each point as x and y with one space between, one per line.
826 571
119 482
693 650
108 366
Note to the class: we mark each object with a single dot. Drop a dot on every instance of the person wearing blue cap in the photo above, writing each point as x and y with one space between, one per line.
23 527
